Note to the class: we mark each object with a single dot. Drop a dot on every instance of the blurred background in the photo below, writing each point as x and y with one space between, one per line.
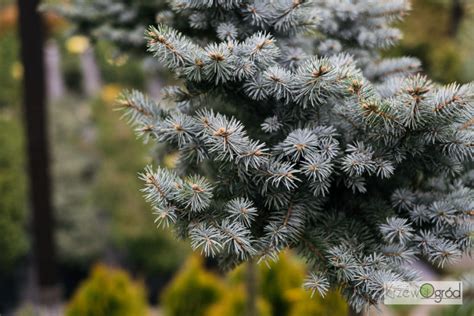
106 256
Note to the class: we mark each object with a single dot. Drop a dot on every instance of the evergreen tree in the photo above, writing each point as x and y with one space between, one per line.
294 132
119 21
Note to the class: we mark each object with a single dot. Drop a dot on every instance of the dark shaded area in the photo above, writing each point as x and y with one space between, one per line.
457 15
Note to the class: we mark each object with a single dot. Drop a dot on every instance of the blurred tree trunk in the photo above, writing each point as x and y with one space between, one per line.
91 77
154 85
457 15
55 82
34 103
251 288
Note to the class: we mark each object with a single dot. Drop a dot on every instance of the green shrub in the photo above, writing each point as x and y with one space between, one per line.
280 286
108 292
11 71
13 237
444 56
467 309
192 291
303 304
197 292
275 280
233 303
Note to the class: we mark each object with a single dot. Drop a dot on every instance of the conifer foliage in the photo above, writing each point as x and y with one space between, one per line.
293 132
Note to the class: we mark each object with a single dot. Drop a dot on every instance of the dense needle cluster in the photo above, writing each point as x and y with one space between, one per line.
293 132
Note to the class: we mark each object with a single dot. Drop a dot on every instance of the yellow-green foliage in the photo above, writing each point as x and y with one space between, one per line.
233 303
13 236
192 291
275 279
197 292
301 303
280 286
11 70
444 56
108 292
285 274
